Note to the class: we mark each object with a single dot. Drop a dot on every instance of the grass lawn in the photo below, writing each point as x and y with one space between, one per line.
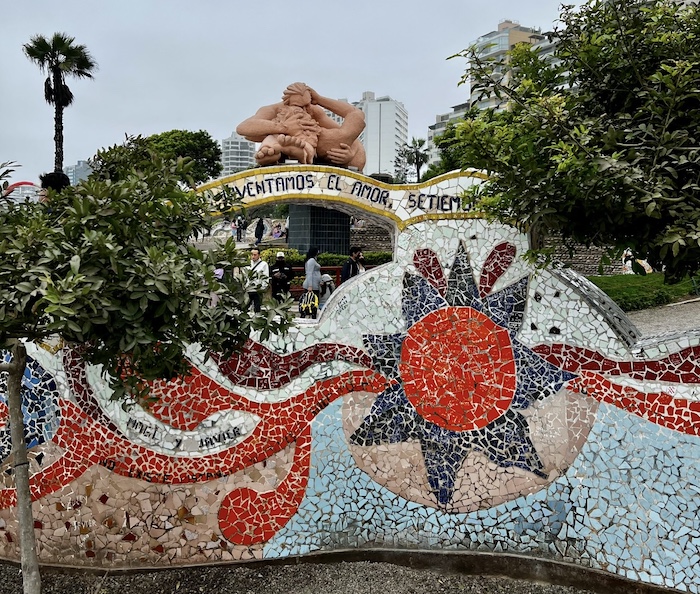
632 291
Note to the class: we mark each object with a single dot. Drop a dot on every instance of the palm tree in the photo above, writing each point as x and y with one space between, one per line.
59 57
415 155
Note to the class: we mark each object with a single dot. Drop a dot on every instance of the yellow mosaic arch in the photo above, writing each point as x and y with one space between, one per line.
402 204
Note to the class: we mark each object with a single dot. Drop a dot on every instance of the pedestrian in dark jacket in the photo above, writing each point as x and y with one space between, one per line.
351 267
259 231
281 274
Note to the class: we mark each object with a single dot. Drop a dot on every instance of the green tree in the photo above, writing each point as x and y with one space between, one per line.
108 266
450 155
400 167
135 152
59 57
198 146
414 155
121 160
610 155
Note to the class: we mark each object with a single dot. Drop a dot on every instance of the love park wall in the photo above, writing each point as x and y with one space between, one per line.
454 400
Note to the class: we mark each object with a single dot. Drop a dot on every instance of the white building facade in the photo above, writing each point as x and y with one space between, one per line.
237 154
492 46
438 128
386 131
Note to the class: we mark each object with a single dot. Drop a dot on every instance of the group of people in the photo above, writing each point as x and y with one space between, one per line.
238 226
278 277
633 265
321 285
278 231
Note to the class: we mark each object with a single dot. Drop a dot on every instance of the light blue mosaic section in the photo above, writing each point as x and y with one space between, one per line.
635 487
628 505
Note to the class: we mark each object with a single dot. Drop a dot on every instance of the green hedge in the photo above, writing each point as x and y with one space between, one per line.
295 258
632 292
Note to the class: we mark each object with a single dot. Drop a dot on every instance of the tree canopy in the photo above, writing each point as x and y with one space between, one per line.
135 153
60 57
199 146
107 266
598 144
413 155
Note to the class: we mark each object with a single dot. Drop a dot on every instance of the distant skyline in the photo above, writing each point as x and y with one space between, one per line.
177 64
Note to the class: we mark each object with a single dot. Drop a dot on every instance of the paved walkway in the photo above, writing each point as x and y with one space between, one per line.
675 317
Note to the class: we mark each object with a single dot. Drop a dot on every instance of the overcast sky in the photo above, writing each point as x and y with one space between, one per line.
209 64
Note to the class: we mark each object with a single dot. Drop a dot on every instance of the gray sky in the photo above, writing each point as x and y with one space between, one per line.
209 64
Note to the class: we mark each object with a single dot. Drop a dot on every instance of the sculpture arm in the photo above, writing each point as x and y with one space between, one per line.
323 120
263 123
257 127
354 119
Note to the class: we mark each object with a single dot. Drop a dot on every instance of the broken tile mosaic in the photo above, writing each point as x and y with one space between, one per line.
453 399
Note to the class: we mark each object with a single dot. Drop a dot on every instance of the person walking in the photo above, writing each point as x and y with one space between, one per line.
281 274
258 278
352 266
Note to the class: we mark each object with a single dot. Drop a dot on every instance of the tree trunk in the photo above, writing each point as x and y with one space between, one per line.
58 138
58 123
30 562
536 237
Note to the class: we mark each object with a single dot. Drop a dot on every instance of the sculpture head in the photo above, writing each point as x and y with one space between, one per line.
297 94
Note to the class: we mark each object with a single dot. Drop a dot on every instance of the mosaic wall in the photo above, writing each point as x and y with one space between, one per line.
454 399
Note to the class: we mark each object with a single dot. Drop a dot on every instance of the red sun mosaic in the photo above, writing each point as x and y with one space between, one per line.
456 384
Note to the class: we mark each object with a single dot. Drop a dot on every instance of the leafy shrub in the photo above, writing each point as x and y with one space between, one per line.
291 256
377 258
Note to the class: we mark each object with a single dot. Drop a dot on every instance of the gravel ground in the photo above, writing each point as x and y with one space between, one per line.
338 578
360 577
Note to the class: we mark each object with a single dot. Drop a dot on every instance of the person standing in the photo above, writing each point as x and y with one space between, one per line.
352 266
258 278
240 227
259 231
325 291
281 274
361 263
312 269
56 181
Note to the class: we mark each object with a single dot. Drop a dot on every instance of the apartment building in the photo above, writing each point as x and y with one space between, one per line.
237 154
386 131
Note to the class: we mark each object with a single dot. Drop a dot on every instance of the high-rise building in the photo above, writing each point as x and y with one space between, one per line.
491 46
438 128
237 154
494 45
78 171
386 131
